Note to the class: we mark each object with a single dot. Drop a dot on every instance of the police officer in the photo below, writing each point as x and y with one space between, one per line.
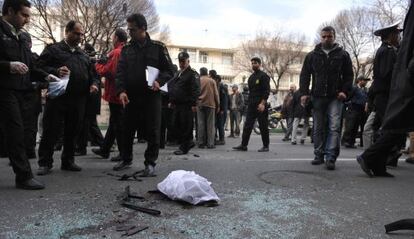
62 59
384 63
184 90
16 70
259 90
139 99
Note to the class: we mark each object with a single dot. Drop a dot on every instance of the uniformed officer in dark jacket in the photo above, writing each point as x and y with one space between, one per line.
329 67
259 90
16 72
389 78
140 99
61 59
184 90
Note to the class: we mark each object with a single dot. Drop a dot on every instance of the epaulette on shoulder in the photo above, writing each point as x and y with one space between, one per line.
158 43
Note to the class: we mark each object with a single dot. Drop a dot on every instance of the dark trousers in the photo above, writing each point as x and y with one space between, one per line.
353 119
115 129
234 122
3 146
89 132
30 122
184 124
13 109
377 154
70 110
262 118
220 122
167 126
147 110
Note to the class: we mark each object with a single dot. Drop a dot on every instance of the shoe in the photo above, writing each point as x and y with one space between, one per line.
410 160
44 170
285 139
201 146
316 161
30 184
180 152
364 166
263 149
383 174
31 155
122 165
70 167
211 146
302 141
149 171
293 143
80 152
240 148
220 142
230 136
330 164
349 146
162 146
100 152
116 158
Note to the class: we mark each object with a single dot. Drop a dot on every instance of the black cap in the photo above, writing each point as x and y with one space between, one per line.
256 59
183 56
386 30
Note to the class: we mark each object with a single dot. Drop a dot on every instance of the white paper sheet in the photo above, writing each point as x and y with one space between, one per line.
151 74
164 87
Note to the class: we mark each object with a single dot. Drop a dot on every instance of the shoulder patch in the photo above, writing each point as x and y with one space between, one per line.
158 43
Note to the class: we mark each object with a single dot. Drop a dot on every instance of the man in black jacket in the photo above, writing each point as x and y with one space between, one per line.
184 90
259 90
62 59
140 99
16 72
330 68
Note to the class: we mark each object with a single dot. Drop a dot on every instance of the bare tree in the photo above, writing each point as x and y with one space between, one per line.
389 11
100 18
354 31
277 51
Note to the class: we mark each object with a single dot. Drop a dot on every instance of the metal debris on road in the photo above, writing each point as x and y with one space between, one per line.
405 224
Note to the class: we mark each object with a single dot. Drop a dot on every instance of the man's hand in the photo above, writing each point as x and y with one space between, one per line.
63 71
194 109
52 78
155 86
261 107
93 89
124 98
17 67
341 96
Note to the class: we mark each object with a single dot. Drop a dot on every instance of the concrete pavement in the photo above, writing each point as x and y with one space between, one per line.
278 194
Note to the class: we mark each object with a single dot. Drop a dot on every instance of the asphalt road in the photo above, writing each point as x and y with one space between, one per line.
278 194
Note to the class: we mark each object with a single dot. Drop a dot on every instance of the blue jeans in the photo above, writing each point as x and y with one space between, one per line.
327 121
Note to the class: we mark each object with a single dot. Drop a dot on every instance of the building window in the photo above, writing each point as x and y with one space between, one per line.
227 59
191 53
203 57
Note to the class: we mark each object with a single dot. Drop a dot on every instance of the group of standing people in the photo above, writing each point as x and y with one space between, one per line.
145 93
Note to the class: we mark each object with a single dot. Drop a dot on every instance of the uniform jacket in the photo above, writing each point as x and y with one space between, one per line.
108 70
82 70
259 87
399 113
330 74
135 58
184 87
13 49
